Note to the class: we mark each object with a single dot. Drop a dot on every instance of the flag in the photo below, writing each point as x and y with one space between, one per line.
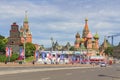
62 57
43 55
8 52
36 55
49 56
21 52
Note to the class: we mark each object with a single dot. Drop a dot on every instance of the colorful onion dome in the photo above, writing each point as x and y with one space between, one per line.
77 35
82 40
77 41
89 35
96 36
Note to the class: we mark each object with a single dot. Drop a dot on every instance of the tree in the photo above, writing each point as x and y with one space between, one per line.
29 49
2 37
72 48
109 51
3 42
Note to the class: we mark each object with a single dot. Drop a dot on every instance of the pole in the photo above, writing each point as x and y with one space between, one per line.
24 35
24 48
9 58
112 40
52 43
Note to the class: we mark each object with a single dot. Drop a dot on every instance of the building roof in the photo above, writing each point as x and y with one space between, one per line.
96 36
77 35
89 35
77 41
82 40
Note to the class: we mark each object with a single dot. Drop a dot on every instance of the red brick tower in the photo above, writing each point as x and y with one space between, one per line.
25 31
14 38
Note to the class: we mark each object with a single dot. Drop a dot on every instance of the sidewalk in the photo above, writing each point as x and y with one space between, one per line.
36 64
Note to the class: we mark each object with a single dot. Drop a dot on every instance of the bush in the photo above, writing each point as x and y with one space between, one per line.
30 59
3 58
14 57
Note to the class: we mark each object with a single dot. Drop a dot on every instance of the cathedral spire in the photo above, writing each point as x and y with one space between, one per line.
26 17
86 24
86 29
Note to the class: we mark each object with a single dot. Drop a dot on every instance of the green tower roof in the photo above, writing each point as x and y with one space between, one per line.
26 18
96 36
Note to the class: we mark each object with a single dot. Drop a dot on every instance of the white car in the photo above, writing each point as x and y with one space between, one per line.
103 64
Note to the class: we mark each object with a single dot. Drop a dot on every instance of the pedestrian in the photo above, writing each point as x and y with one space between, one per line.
5 62
33 62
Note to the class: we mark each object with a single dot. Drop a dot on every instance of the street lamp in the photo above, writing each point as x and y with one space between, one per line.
24 35
52 43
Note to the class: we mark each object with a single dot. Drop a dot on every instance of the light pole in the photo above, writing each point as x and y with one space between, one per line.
24 35
52 43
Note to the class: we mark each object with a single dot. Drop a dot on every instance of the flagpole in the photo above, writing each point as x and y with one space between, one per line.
24 35
9 53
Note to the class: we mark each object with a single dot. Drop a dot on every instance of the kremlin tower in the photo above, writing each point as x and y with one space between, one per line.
18 37
14 38
25 31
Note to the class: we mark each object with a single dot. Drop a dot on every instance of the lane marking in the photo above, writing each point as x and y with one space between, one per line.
45 78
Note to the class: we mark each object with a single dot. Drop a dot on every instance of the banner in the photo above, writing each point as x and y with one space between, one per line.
43 55
21 53
62 57
8 52
49 55
36 55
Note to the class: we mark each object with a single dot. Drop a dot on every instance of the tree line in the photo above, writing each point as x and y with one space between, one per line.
29 51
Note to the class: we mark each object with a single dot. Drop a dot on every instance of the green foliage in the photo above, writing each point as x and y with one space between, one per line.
72 48
14 57
3 42
29 49
109 51
3 58
2 37
29 59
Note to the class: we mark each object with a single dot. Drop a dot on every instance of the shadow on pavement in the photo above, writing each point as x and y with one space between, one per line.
113 77
118 70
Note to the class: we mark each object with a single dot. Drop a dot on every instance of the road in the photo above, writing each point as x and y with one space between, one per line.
74 73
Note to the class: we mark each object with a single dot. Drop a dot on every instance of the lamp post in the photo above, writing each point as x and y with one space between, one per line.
52 43
24 35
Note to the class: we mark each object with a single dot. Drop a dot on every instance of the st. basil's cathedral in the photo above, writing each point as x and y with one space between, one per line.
87 44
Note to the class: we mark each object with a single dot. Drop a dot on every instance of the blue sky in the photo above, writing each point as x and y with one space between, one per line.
62 19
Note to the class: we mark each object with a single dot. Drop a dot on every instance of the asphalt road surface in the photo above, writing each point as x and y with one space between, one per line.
74 73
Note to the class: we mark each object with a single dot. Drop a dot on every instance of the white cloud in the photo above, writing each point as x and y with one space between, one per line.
61 19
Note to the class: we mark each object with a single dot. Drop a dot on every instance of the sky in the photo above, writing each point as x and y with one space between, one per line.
62 19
